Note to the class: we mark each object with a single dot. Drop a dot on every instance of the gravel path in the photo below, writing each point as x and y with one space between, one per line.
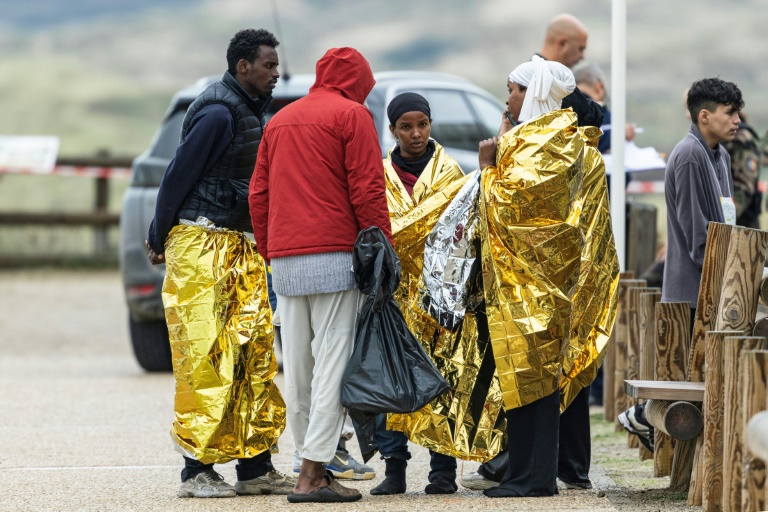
83 428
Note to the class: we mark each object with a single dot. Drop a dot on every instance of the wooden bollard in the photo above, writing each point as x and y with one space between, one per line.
710 288
709 452
685 474
732 418
737 308
647 310
609 376
673 320
761 321
679 420
633 354
609 368
647 319
621 355
753 367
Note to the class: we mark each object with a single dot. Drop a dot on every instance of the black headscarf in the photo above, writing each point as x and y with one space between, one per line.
407 102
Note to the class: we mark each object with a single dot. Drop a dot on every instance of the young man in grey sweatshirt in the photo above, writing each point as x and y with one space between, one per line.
699 190
698 185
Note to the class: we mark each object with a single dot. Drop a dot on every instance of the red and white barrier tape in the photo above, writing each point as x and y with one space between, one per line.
74 170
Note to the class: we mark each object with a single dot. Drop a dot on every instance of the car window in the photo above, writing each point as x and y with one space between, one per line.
453 124
168 138
487 112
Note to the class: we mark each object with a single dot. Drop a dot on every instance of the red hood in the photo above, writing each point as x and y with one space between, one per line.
344 70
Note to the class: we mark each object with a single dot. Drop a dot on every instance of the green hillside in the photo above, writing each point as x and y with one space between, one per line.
101 77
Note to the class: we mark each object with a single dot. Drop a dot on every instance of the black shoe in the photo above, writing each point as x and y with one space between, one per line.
394 478
441 486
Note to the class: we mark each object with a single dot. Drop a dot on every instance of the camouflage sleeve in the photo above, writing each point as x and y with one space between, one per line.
744 168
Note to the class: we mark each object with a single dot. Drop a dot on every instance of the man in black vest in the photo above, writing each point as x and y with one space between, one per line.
215 293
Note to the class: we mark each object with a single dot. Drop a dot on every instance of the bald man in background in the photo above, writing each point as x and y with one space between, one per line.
565 42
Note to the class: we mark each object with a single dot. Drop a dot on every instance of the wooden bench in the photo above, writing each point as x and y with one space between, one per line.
665 390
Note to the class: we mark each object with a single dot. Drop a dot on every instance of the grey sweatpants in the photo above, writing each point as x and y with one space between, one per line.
318 338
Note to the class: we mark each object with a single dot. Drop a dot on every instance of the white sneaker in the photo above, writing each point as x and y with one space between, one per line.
208 484
477 482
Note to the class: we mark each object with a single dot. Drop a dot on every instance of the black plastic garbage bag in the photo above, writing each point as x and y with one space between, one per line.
389 370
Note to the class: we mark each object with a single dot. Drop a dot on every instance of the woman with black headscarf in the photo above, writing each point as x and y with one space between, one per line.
414 169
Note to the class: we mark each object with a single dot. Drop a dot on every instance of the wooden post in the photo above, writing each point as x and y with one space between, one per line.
737 306
679 420
633 351
732 418
673 321
707 461
647 309
609 368
753 369
715 254
647 320
609 376
621 355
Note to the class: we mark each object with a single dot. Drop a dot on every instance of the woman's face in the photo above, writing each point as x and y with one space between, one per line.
412 131
515 100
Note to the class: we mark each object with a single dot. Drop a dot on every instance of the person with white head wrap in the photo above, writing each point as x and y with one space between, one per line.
547 83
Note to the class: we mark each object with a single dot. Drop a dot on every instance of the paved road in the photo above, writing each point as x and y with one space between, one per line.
83 428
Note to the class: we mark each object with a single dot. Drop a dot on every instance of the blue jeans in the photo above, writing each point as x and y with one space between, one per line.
394 445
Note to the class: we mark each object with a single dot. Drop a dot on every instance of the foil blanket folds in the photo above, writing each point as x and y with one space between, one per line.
465 422
220 327
549 284
549 260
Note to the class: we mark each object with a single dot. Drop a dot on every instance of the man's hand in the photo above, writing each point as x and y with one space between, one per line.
154 259
487 152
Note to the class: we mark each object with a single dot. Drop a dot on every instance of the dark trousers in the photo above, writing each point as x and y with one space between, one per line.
532 437
574 454
247 469
394 445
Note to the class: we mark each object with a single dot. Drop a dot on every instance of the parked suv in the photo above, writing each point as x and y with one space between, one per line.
462 115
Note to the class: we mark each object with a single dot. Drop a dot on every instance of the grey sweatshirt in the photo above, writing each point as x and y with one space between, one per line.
695 179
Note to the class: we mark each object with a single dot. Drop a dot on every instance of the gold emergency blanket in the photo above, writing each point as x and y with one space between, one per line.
595 299
544 297
465 422
220 325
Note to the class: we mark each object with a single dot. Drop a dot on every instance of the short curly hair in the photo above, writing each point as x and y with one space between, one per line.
245 45
711 92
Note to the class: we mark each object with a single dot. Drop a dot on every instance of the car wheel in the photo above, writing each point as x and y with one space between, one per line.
150 344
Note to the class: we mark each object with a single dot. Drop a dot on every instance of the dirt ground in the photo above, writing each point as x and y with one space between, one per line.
83 428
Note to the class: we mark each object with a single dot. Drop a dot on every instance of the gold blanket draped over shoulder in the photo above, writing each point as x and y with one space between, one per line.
220 327
449 425
549 262
550 279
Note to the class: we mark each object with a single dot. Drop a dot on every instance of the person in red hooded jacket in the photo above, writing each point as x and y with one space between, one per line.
316 185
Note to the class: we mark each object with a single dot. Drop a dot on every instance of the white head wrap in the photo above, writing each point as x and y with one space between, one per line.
548 83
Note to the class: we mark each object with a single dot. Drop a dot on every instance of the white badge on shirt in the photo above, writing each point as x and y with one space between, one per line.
729 210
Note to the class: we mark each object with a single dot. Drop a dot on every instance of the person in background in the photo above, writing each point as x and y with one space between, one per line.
565 41
414 169
698 189
744 151
590 79
217 308
317 184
